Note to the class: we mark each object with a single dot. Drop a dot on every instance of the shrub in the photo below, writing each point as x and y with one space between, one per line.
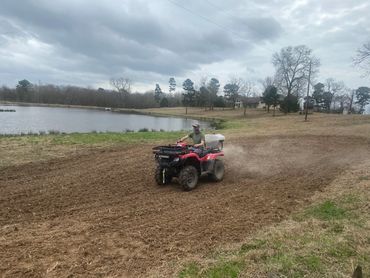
54 132
289 104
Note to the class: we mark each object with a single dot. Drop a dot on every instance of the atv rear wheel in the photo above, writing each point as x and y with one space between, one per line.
188 177
161 177
218 171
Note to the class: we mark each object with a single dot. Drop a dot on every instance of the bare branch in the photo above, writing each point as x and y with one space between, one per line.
362 58
292 66
122 85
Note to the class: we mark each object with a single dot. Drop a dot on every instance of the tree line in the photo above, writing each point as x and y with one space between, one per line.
204 95
25 91
296 69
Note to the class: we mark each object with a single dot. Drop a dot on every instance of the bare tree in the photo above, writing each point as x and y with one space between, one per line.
343 97
247 93
334 88
122 85
292 65
362 58
246 88
267 82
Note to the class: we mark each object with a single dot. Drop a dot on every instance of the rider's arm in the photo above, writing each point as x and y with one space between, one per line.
200 145
184 138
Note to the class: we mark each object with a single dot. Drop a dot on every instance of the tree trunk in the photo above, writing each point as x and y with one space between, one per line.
273 113
351 102
186 110
308 93
245 111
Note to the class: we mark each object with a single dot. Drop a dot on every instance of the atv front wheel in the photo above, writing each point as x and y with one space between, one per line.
161 176
218 171
188 178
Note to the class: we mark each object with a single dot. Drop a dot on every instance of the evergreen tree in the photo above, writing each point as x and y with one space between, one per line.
189 94
158 94
172 86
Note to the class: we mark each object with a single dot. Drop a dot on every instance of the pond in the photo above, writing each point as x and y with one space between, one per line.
34 119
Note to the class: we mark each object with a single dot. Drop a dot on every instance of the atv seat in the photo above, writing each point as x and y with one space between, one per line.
204 152
208 151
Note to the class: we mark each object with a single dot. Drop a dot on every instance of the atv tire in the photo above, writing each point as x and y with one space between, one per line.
159 176
218 171
188 177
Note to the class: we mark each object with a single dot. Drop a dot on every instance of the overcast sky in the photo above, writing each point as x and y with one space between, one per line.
85 42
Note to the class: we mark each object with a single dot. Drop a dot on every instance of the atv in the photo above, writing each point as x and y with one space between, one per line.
187 164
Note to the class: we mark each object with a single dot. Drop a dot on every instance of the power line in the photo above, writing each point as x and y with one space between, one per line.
213 22
226 12
215 6
206 19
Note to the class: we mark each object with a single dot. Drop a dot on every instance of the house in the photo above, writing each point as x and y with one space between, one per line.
303 103
238 104
249 102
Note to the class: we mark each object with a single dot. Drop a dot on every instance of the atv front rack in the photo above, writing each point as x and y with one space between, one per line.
170 150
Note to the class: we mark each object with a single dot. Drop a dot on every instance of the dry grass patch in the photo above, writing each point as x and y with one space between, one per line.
327 239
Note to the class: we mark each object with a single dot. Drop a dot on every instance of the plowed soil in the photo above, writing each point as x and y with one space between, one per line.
101 214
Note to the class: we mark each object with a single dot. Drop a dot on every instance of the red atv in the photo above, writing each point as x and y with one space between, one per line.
187 164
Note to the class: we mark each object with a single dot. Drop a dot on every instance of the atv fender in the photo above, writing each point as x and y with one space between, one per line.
190 155
193 160
212 156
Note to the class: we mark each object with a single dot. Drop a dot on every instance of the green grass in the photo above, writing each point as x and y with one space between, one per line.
364 178
114 137
17 150
341 250
189 271
96 138
318 243
327 210
257 244
222 269
229 269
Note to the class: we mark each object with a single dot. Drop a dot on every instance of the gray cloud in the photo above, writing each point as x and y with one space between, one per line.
86 42
259 28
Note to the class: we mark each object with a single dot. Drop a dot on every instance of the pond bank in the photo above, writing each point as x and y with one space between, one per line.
215 122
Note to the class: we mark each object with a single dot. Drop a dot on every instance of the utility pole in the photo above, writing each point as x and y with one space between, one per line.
351 102
308 91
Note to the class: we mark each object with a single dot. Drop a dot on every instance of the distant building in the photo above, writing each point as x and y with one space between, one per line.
238 104
303 102
249 102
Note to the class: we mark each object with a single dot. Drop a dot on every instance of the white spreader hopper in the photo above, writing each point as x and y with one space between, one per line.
214 141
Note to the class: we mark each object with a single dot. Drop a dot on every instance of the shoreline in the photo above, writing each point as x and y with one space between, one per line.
211 120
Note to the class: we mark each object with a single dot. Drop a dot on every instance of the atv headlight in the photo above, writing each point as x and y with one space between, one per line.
176 159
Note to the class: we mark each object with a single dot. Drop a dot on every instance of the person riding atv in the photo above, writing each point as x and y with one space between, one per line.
197 136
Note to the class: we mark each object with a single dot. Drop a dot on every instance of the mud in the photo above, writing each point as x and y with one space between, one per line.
101 214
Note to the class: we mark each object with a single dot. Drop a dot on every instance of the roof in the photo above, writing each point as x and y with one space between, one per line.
251 100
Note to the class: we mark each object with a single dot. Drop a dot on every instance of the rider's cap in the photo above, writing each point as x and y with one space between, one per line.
195 124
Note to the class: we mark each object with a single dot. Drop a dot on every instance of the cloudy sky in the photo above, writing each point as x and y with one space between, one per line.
84 42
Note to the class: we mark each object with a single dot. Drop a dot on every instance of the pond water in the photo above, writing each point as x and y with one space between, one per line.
35 119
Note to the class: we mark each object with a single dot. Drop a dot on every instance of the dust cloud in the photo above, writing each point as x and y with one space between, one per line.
256 158
253 160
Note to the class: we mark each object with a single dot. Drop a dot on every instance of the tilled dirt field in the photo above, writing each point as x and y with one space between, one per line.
101 214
